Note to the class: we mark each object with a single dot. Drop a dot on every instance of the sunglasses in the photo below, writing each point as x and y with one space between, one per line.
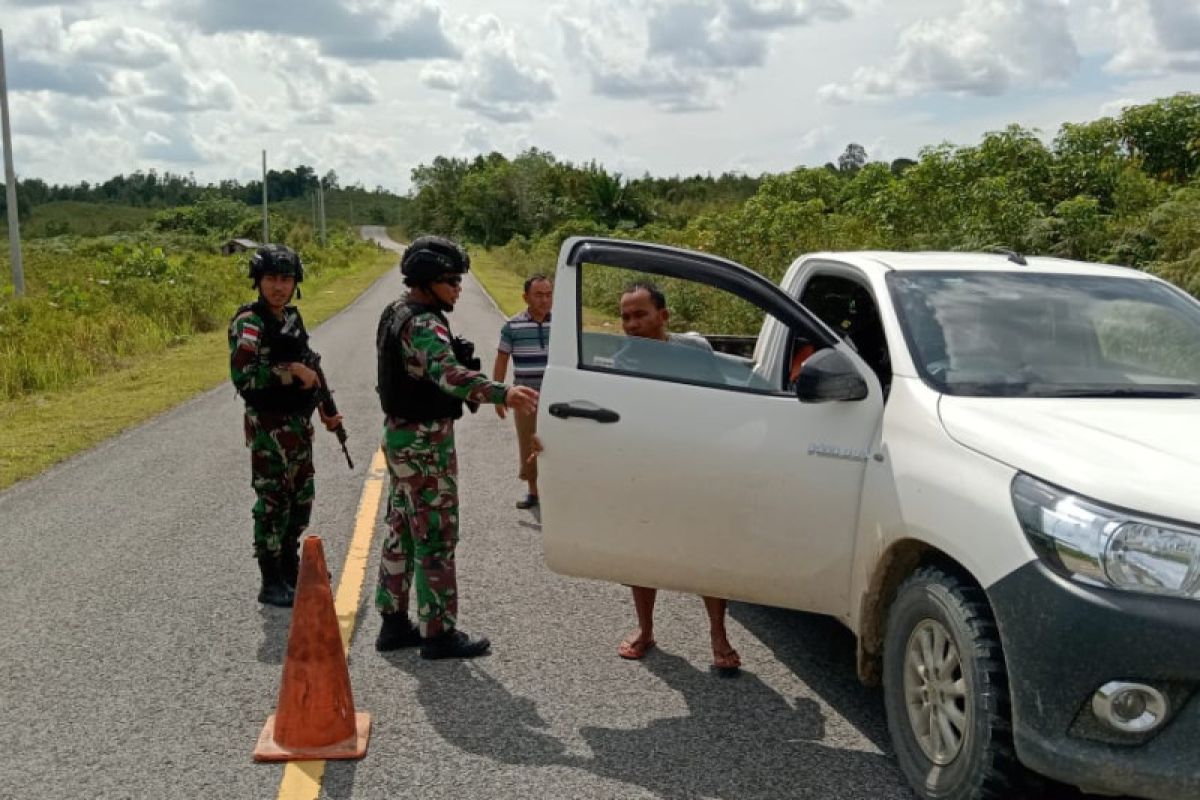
450 280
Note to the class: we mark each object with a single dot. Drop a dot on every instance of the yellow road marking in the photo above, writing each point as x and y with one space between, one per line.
302 779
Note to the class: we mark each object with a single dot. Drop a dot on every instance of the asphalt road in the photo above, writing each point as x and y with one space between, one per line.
137 663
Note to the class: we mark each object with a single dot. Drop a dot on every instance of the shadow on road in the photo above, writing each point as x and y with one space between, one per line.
275 622
822 653
741 740
476 713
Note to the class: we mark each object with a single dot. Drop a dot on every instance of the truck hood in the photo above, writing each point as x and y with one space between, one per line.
1140 454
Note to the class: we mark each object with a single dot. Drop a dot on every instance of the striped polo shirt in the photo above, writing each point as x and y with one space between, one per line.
528 342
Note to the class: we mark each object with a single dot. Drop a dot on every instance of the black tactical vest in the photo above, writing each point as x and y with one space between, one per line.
281 341
401 395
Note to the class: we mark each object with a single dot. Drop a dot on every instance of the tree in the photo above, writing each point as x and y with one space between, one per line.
1088 160
852 158
1165 136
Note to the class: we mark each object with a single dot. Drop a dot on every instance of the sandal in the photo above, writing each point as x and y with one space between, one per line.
727 663
634 650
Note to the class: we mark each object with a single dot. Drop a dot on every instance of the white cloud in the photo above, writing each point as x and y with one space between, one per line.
314 85
498 77
176 146
766 14
391 32
681 55
103 42
53 52
1154 36
989 48
200 90
406 82
31 115
440 77
475 139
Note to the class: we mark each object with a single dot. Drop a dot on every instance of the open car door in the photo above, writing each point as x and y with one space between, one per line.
675 465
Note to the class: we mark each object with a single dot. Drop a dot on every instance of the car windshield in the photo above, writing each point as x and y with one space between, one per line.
1026 334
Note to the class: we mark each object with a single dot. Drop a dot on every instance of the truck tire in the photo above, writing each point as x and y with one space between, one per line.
946 691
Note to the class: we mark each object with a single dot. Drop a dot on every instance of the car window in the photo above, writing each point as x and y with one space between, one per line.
849 308
1027 334
653 327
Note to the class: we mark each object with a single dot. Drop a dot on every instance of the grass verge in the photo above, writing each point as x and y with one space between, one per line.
503 283
42 430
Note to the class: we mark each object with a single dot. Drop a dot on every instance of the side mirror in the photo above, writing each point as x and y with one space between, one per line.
829 376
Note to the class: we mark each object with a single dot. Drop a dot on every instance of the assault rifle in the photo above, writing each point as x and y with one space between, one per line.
325 401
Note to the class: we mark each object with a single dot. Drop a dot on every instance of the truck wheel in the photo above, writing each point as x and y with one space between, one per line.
946 692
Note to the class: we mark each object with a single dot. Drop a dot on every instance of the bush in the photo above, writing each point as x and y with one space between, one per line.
92 305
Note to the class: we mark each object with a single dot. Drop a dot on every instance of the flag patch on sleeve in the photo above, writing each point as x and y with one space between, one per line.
249 334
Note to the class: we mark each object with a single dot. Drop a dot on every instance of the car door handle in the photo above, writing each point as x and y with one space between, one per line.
582 408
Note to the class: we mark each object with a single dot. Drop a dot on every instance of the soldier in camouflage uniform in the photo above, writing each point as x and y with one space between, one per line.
268 346
425 377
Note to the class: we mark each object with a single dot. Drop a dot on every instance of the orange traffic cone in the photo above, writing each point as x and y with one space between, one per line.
315 718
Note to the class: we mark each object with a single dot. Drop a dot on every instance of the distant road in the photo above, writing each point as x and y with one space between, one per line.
378 233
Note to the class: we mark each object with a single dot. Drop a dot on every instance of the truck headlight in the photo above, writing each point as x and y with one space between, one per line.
1104 546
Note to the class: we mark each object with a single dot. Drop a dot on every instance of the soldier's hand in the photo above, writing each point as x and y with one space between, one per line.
307 377
522 398
501 411
330 423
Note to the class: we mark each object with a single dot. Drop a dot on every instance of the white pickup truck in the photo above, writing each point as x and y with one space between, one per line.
986 466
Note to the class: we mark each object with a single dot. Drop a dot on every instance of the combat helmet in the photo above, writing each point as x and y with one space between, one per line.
428 258
278 259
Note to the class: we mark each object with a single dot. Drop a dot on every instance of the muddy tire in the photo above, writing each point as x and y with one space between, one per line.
946 691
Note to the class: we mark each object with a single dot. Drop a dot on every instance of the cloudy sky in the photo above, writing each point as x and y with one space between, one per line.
372 88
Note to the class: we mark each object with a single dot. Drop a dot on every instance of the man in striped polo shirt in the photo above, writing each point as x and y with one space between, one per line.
525 339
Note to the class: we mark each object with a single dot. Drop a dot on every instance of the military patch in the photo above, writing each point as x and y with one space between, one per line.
249 334
442 332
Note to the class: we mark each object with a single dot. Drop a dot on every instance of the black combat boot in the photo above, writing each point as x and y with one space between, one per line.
289 564
397 632
453 644
275 591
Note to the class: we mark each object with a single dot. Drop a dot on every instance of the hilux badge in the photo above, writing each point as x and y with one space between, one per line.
833 451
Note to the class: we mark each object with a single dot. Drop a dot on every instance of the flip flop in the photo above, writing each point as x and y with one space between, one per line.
635 650
730 662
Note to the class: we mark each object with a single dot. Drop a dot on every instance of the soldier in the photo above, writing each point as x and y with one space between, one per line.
268 346
425 377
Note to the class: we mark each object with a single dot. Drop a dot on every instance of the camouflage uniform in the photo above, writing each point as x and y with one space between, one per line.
280 442
423 496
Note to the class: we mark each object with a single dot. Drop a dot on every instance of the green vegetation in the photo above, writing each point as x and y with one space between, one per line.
79 218
40 430
119 203
116 328
504 284
1122 190
127 298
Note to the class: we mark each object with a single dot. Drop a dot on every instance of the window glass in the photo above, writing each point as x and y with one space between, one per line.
650 326
1049 335
849 309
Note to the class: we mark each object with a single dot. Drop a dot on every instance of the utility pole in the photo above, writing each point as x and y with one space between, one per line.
10 185
321 206
266 219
